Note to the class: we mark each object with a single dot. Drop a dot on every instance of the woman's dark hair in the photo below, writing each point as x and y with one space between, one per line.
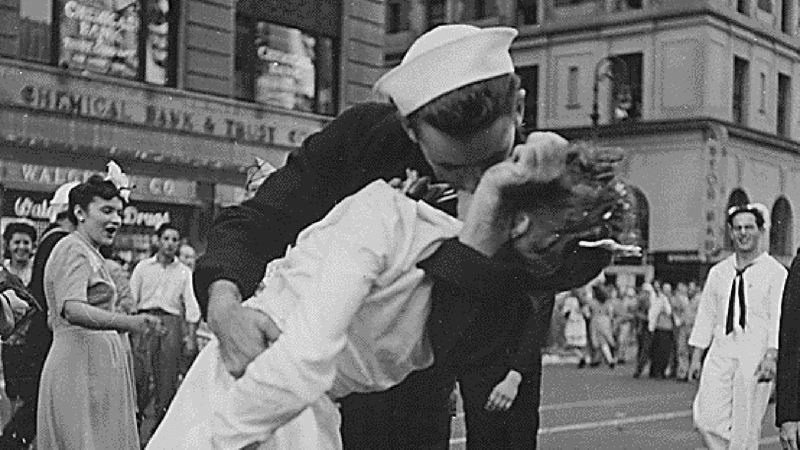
21 228
83 194
469 109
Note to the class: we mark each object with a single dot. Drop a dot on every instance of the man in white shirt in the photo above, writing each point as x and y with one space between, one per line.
162 285
739 317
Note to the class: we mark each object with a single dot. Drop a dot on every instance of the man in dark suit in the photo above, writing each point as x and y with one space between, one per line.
787 385
457 110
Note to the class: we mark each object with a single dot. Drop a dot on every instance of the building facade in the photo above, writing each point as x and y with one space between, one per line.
701 94
183 94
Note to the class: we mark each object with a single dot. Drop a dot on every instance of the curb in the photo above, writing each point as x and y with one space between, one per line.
555 360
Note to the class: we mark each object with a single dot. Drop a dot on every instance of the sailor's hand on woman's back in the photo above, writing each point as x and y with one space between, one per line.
243 333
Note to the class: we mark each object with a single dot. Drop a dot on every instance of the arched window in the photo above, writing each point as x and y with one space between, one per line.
737 198
780 233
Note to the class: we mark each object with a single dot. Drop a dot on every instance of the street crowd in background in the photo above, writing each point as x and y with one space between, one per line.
159 287
646 325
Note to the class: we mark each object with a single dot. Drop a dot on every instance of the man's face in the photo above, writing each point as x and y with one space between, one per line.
187 256
745 232
168 243
666 288
461 161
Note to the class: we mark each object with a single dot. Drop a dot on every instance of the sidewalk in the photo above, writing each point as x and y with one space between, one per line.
556 359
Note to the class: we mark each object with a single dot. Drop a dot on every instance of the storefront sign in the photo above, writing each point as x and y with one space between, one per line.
36 206
714 228
74 104
29 208
132 216
165 190
100 38
81 99
691 257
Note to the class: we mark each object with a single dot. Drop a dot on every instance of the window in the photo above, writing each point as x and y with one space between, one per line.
739 103
285 67
781 228
110 40
436 13
762 108
35 30
625 5
626 87
479 9
573 81
559 3
530 82
765 5
397 16
527 12
161 42
784 100
743 6
786 16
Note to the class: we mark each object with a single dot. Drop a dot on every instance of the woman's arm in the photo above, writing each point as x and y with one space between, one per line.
81 313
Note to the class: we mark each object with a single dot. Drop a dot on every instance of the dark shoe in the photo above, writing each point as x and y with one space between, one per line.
621 362
612 365
637 374
582 364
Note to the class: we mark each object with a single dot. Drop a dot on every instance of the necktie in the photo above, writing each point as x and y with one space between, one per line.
732 300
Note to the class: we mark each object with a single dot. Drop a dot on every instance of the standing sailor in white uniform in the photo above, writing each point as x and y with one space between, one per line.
738 317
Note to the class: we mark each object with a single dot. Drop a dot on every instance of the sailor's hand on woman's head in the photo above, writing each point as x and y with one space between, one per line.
540 159
586 201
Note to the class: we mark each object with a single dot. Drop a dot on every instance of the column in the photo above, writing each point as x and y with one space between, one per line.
418 17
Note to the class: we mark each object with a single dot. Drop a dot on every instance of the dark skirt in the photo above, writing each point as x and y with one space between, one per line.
21 370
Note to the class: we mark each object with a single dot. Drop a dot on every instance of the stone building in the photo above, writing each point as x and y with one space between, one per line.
183 94
701 94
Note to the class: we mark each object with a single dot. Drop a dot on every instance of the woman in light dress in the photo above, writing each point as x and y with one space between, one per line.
86 396
601 326
575 327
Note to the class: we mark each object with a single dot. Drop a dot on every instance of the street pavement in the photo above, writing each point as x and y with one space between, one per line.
604 409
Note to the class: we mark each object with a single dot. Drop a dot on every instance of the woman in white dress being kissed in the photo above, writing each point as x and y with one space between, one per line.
352 304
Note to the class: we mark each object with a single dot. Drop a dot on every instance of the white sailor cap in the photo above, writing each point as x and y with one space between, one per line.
445 59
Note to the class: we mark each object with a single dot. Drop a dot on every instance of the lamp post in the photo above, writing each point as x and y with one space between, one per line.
604 70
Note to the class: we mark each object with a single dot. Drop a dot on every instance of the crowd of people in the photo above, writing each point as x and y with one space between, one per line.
115 339
648 326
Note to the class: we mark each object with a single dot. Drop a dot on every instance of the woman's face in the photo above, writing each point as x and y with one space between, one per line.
101 220
20 247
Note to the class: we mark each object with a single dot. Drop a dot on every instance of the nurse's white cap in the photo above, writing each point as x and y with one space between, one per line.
61 196
445 59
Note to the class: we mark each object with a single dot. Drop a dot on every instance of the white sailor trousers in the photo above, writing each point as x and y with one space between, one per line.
730 403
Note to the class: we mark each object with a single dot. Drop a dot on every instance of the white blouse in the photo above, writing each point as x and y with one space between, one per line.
352 306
